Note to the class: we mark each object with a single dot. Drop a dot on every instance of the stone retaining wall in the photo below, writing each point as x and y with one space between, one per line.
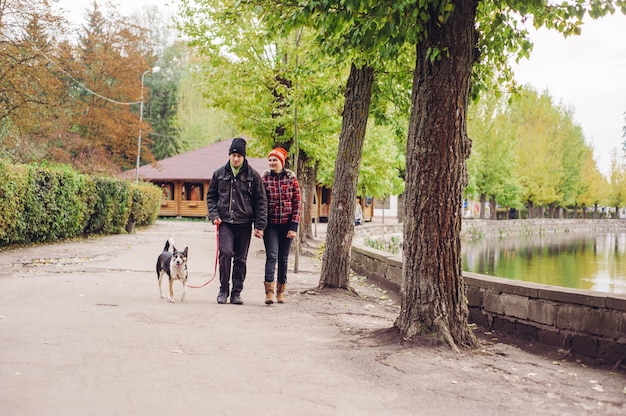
582 321
491 228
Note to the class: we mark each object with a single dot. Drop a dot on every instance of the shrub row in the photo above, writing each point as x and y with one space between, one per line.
45 204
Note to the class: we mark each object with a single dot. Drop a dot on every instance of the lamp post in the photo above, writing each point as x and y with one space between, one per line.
154 71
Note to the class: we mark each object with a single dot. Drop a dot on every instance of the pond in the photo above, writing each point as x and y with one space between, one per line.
576 260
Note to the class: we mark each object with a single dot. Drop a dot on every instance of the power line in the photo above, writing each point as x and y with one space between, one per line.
80 84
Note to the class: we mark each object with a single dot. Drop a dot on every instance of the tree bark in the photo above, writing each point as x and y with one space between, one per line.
336 260
493 209
433 296
307 176
483 200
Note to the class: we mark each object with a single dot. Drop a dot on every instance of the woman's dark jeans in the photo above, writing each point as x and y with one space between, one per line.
277 247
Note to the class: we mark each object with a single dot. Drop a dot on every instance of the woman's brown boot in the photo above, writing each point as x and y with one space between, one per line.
269 293
280 292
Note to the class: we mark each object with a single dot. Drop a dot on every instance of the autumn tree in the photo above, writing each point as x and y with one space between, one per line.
32 91
573 152
536 125
551 153
108 66
617 181
594 187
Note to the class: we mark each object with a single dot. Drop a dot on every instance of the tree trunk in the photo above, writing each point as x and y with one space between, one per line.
433 298
493 209
401 207
483 200
336 261
530 209
306 179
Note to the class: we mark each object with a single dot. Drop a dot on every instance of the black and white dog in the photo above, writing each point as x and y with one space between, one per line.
174 264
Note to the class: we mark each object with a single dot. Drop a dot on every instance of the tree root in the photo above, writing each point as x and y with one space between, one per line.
444 330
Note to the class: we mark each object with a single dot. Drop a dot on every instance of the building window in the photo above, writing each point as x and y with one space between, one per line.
383 203
167 190
193 191
326 195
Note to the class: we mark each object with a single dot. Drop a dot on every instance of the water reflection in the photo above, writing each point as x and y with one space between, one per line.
576 260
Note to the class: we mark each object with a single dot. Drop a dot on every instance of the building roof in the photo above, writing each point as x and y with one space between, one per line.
196 165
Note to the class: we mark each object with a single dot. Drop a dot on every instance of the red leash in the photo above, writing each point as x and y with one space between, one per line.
217 253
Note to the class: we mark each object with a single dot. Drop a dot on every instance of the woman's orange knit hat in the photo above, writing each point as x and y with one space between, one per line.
280 154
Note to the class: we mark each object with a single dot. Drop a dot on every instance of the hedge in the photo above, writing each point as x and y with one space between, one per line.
45 204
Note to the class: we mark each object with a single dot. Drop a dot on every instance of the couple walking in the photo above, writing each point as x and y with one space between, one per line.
238 199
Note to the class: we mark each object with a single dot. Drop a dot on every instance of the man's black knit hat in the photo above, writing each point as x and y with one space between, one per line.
238 146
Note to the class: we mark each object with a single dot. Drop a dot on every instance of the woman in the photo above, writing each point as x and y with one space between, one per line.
284 207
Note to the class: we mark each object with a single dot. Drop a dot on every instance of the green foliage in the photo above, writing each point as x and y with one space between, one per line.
45 204
493 160
382 163
391 245
53 205
13 186
111 208
262 78
549 149
197 122
595 185
528 149
145 203
617 179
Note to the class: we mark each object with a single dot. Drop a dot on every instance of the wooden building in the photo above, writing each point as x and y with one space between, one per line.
185 179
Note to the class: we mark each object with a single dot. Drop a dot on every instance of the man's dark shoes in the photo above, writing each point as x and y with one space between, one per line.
236 299
221 297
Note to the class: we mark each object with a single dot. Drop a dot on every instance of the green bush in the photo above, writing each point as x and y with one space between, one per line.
13 186
44 204
145 203
54 207
111 206
391 245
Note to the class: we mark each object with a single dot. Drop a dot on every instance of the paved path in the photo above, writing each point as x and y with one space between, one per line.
84 332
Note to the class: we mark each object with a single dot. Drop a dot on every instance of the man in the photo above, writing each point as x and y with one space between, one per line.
236 201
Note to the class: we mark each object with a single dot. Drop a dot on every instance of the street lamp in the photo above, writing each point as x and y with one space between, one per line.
154 71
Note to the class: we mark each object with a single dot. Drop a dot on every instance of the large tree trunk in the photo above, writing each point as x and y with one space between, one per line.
336 260
433 296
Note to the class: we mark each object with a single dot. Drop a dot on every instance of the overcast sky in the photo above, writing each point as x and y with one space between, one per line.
586 73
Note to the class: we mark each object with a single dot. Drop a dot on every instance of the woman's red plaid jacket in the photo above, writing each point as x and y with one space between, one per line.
283 198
